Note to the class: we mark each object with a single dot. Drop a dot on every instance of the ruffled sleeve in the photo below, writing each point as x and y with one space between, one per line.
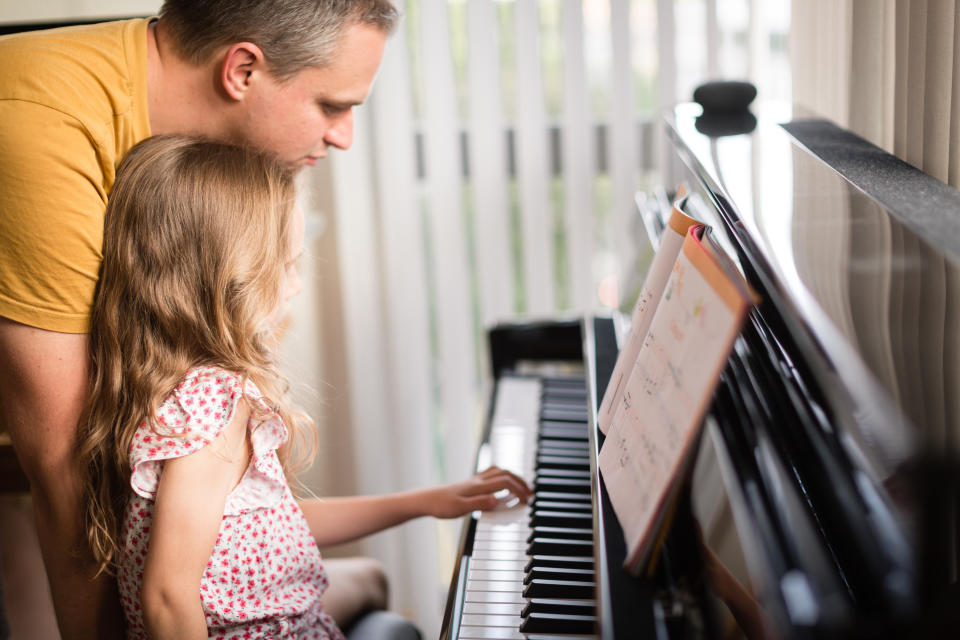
264 483
192 417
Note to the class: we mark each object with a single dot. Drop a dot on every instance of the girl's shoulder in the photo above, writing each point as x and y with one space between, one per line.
202 404
193 415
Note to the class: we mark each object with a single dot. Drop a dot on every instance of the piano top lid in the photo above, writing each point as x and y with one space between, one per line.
863 247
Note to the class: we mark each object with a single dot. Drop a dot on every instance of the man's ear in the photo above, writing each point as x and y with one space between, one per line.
241 65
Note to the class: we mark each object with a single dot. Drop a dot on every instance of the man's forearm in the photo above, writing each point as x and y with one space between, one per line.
85 607
43 388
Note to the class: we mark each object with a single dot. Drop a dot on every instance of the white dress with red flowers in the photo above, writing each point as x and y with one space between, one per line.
265 576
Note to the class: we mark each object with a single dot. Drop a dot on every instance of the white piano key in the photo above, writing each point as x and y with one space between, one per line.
488 523
494 565
518 400
500 608
510 538
490 633
505 516
491 620
492 599
501 597
515 576
500 545
502 586
490 554
502 533
485 527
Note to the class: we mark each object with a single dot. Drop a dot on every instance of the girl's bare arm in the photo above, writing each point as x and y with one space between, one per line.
186 519
336 520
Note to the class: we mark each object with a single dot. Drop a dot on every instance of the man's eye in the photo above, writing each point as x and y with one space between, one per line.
333 110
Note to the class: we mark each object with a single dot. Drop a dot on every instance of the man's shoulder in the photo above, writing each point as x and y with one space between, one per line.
68 68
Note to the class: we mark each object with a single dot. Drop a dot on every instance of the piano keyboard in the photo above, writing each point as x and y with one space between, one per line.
530 574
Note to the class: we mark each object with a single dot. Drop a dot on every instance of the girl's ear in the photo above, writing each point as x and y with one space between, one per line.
243 64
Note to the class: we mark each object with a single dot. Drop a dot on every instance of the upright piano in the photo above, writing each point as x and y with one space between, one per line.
824 496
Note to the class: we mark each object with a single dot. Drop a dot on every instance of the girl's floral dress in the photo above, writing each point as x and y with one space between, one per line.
265 576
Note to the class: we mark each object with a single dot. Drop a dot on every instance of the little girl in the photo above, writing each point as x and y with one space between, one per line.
188 435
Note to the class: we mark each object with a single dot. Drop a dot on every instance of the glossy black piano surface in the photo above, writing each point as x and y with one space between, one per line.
823 500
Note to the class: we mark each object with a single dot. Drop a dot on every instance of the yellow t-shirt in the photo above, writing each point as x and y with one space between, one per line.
72 103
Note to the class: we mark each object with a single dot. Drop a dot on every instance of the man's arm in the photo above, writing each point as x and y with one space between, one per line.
43 388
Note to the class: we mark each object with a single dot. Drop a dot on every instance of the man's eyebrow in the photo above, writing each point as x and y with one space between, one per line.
342 104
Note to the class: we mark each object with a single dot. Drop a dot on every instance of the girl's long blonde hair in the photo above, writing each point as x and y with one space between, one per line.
196 236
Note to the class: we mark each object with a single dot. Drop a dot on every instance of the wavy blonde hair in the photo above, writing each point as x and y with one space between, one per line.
196 235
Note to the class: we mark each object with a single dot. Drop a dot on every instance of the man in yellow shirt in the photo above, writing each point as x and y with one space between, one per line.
281 75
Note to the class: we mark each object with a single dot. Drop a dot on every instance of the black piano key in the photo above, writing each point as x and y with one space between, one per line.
557 605
565 385
563 473
563 453
563 405
566 456
558 573
558 623
573 533
558 505
571 445
547 518
565 415
558 589
559 547
564 462
571 437
574 562
564 496
547 426
569 396
569 452
552 483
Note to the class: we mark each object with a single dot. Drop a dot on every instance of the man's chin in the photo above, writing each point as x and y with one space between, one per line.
300 163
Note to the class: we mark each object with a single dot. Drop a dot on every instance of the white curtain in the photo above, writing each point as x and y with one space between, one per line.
492 178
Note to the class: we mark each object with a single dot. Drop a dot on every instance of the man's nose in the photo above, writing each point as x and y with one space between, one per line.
340 134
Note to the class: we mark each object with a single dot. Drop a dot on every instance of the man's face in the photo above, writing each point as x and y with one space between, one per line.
299 119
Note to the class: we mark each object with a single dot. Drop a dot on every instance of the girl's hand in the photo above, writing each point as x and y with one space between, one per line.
476 493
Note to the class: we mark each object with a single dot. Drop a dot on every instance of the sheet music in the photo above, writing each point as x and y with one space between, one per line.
670 243
656 417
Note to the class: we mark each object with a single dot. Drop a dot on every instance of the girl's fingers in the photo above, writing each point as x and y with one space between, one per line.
482 503
508 481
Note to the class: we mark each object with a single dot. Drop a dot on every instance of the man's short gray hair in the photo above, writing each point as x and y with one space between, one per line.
293 34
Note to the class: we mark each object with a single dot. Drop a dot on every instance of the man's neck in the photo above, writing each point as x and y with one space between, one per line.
181 98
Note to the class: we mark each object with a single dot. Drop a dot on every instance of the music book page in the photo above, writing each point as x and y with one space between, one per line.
653 285
656 417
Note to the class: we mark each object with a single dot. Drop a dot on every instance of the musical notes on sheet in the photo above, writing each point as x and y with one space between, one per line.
647 303
656 416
